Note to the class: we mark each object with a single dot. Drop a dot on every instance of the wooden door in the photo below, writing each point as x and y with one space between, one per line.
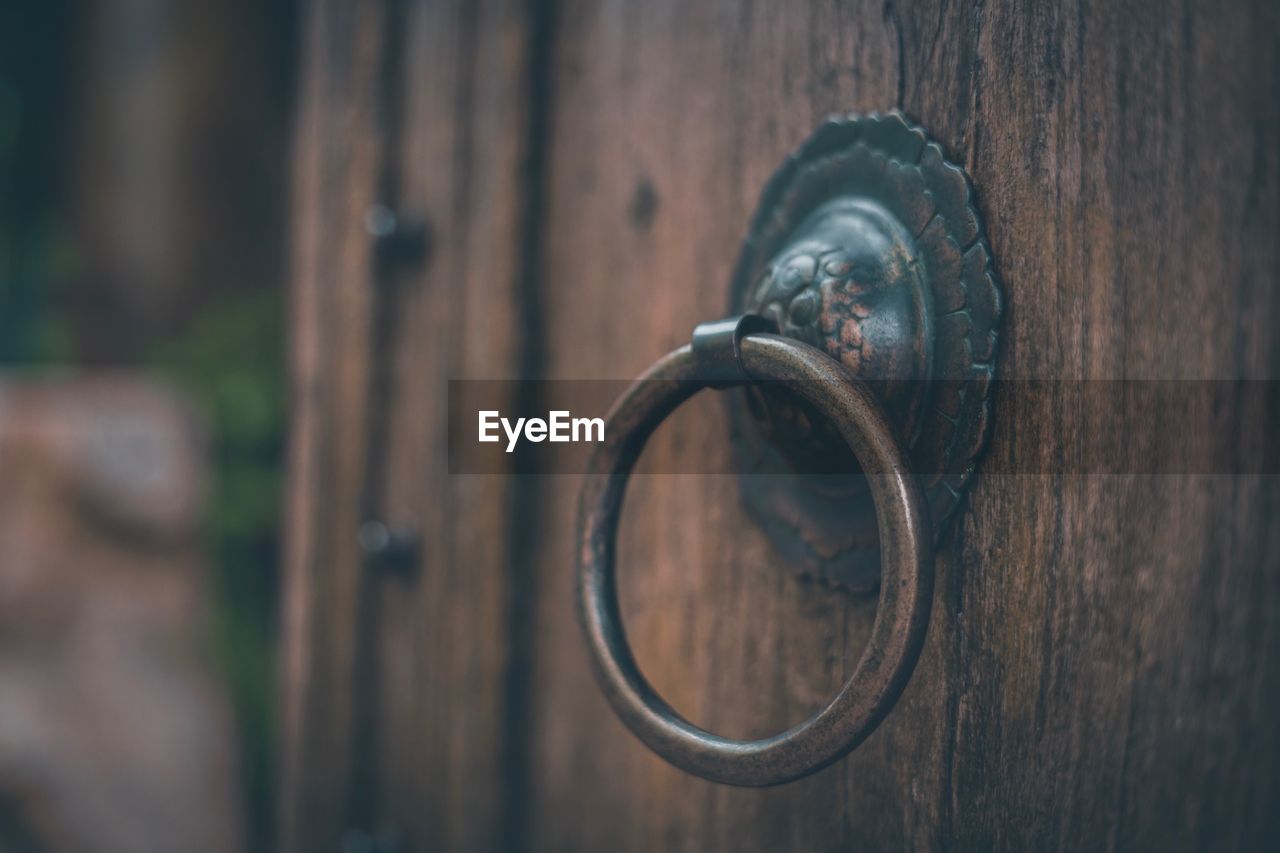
1102 669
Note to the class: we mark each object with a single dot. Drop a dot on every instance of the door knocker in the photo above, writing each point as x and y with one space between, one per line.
866 347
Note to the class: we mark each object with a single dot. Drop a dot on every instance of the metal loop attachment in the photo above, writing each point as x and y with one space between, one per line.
716 347
730 352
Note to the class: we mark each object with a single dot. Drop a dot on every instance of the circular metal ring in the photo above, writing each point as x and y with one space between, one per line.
906 588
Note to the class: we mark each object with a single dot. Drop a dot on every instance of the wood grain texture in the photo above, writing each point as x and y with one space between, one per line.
1103 665
397 688
1098 673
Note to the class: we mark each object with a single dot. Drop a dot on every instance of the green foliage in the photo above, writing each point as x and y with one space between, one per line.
230 363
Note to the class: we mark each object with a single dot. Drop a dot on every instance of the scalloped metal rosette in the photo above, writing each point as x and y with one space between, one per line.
867 244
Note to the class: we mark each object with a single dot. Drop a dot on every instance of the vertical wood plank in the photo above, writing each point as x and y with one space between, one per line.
334 183
691 106
398 684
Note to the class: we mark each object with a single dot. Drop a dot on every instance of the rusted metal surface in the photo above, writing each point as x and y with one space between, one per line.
905 540
866 244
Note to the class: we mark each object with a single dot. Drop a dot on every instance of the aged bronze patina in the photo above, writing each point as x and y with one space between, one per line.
856 430
866 244
725 353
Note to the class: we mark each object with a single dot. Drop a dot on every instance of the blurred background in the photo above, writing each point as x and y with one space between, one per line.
143 151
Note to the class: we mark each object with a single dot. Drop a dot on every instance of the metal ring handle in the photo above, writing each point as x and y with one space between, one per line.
906 589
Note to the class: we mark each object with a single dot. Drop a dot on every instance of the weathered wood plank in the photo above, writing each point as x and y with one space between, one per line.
334 183
694 106
397 685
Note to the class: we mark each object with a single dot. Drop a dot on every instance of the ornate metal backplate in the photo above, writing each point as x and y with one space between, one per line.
867 244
